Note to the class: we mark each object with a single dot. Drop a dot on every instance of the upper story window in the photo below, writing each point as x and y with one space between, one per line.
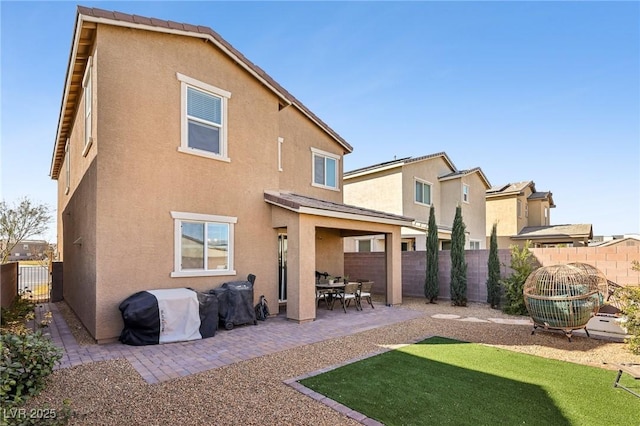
465 192
88 106
324 169
204 119
423 192
526 210
280 142
519 208
203 244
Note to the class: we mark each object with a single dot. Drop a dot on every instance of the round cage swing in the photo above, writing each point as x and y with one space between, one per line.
564 297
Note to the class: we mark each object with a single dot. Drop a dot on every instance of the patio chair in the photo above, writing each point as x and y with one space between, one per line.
364 291
349 293
631 369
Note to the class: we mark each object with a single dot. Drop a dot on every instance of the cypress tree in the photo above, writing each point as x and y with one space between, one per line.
493 281
431 282
458 264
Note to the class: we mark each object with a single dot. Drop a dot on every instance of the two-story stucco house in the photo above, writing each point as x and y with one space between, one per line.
409 187
180 163
522 214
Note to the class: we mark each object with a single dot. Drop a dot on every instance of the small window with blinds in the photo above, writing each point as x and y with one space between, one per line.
204 122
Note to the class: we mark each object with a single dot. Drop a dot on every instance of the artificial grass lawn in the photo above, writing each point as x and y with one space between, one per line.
443 381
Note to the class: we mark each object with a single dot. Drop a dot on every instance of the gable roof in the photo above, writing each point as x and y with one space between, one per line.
511 188
461 173
87 20
398 163
555 231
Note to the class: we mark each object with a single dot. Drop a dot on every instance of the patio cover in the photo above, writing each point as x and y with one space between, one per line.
302 215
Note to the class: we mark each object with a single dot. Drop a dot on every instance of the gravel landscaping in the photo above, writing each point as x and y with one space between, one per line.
252 392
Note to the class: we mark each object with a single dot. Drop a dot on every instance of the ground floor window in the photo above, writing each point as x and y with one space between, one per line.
203 244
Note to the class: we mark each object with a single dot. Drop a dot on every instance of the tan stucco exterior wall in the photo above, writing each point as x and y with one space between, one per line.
379 191
127 192
504 212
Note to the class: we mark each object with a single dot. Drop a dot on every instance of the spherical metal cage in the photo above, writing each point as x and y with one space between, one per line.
564 297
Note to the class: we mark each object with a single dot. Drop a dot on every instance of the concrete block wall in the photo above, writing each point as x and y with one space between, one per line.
614 262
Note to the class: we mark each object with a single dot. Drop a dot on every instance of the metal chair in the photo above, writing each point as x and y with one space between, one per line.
364 291
349 293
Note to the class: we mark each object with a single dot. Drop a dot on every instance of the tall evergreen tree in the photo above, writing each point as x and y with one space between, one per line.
458 263
431 282
493 281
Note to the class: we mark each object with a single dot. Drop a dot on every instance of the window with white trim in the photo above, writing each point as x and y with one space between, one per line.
88 104
364 246
526 210
203 244
465 193
280 142
204 119
519 208
324 169
422 192
474 245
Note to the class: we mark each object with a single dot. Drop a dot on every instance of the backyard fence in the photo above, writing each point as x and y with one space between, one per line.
614 262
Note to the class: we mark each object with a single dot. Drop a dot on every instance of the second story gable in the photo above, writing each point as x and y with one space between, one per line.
158 93
411 186
516 206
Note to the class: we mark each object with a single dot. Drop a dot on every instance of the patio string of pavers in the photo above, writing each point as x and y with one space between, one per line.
157 363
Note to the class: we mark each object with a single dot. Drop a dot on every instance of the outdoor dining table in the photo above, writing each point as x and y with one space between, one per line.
330 289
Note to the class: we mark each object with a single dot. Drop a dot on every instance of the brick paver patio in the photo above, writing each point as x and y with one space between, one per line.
157 363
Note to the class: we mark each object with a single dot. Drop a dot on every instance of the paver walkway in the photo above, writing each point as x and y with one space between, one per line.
158 363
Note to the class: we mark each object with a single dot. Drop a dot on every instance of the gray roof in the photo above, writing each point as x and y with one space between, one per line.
556 231
297 202
509 188
460 173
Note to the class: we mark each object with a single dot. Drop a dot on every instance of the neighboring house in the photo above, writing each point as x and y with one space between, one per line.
29 250
182 164
631 240
522 214
409 187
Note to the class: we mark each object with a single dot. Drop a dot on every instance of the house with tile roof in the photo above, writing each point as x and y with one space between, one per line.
410 187
523 213
180 163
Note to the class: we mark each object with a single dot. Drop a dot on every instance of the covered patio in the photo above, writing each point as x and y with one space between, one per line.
315 230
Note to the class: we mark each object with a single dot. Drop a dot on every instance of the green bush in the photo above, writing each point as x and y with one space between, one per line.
25 362
522 263
630 300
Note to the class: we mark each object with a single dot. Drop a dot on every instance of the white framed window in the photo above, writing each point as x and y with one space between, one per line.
519 208
526 210
203 244
87 87
546 216
324 169
422 192
364 246
280 142
465 193
203 119
67 168
474 245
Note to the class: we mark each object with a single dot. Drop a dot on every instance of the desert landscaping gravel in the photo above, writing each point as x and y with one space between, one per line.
252 392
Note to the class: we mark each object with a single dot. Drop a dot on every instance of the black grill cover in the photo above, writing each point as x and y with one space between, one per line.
235 303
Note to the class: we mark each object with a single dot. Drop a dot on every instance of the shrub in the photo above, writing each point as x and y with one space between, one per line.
522 264
26 360
458 264
630 301
431 287
493 265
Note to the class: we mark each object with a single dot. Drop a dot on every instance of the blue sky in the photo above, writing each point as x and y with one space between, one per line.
542 91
